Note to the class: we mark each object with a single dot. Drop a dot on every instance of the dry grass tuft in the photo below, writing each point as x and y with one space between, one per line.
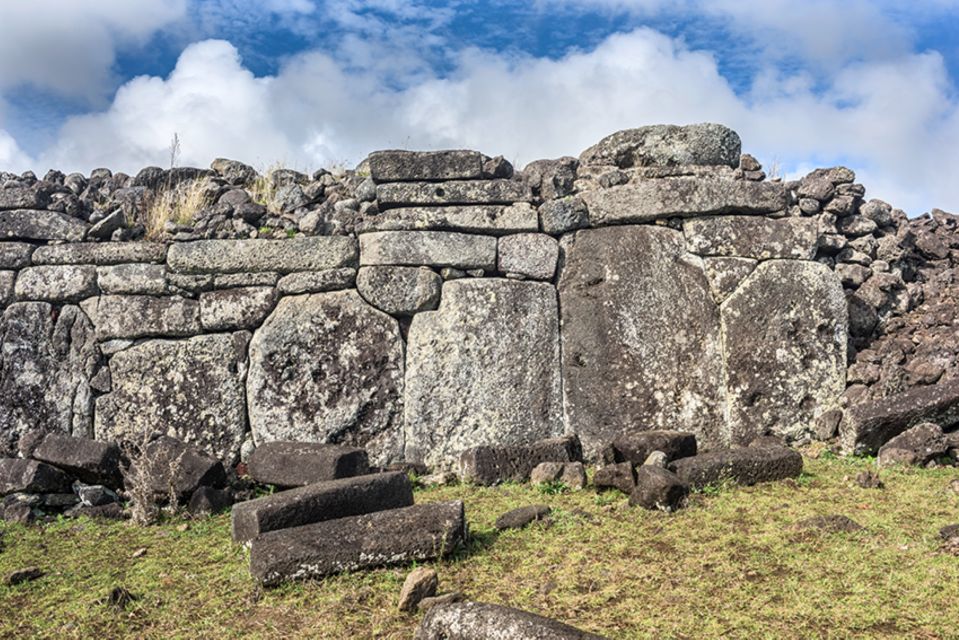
178 204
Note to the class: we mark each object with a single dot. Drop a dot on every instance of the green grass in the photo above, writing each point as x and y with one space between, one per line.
732 565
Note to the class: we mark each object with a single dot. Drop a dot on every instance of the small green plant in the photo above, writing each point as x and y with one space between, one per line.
265 231
716 488
552 488
290 233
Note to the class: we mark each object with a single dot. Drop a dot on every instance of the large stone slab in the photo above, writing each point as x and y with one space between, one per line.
30 476
641 337
23 198
328 367
239 308
429 248
88 460
647 200
30 224
747 465
141 316
454 192
282 256
294 464
191 389
327 500
785 331
398 166
489 219
482 369
666 146
867 426
752 237
46 362
491 464
134 278
398 536
100 253
726 274
15 255
68 283
479 621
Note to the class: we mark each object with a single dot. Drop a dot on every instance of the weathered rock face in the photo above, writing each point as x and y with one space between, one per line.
191 389
667 145
479 621
483 368
400 291
328 367
641 336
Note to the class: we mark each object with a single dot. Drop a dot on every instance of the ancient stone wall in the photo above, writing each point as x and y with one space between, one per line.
429 302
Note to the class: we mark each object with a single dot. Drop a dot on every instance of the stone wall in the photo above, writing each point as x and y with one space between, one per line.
429 302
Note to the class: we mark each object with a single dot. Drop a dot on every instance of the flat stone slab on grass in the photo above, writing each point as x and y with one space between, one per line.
321 501
454 192
488 464
31 476
479 621
295 464
91 461
636 446
747 466
398 536
283 256
522 516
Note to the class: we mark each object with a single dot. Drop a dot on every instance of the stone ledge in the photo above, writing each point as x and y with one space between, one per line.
313 253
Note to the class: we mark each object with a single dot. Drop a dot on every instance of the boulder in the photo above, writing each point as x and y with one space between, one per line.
144 316
491 464
30 224
88 460
398 536
295 464
636 446
135 278
482 369
192 389
399 166
658 488
429 248
95 495
667 145
100 253
488 219
328 367
641 336
419 584
530 255
31 476
168 466
454 192
60 284
400 291
747 466
620 476
478 621
915 446
551 179
522 516
312 253
232 309
755 237
316 281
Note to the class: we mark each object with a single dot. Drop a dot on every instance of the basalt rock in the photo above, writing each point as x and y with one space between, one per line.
747 465
478 621
295 464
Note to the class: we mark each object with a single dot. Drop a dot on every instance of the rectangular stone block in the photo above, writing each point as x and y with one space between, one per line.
31 224
281 256
296 464
22 198
240 308
752 237
636 446
316 281
399 536
454 192
31 476
320 501
137 278
489 219
100 253
143 316
15 255
56 283
7 278
399 166
488 465
429 248
647 200
747 466
88 460
480 621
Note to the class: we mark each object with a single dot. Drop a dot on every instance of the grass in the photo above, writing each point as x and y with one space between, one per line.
731 565
179 205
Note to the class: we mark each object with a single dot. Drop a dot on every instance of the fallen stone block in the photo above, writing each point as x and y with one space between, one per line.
914 446
658 488
479 621
207 500
319 502
91 461
636 446
487 465
454 192
295 464
112 511
522 516
31 476
166 462
399 166
747 466
620 476
571 474
398 536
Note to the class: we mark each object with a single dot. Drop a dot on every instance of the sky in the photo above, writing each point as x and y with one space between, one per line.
873 85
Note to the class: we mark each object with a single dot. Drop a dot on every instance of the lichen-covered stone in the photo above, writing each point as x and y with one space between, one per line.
30 224
641 337
564 215
400 291
725 274
138 316
785 331
283 256
398 166
482 369
68 283
316 281
490 219
23 198
531 255
15 255
240 308
752 237
241 279
100 253
191 389
479 621
428 248
134 278
7 278
328 367
667 145
454 192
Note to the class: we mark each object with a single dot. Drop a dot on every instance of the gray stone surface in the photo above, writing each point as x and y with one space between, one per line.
726 274
255 279
400 291
454 192
636 446
7 278
283 256
169 465
429 248
88 460
294 464
621 475
482 369
100 253
134 278
139 316
316 281
658 488
191 389
531 255
648 200
398 536
747 465
641 336
397 166
490 464
564 215
667 145
240 308
752 237
785 331
31 476
29 224
15 255
479 621
489 219
917 445
23 198
68 283
328 367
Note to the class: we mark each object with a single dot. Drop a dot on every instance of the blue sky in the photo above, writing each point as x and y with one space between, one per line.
307 83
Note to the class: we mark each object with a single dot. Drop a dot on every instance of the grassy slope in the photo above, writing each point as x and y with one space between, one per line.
731 565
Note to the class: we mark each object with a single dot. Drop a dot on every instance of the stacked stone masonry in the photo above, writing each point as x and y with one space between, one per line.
429 302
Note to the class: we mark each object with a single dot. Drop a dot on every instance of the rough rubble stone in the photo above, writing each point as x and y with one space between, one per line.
398 536
283 256
522 516
430 248
620 476
144 316
29 224
192 389
478 621
658 488
551 179
636 446
96 495
207 501
31 476
316 281
785 333
90 461
328 367
491 464
398 166
46 362
168 465
562 216
915 446
454 192
752 237
327 500
232 309
570 474
134 278
419 584
61 284
482 369
726 274
23 198
488 219
101 253
641 337
532 255
400 291
15 255
667 145
295 464
747 465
